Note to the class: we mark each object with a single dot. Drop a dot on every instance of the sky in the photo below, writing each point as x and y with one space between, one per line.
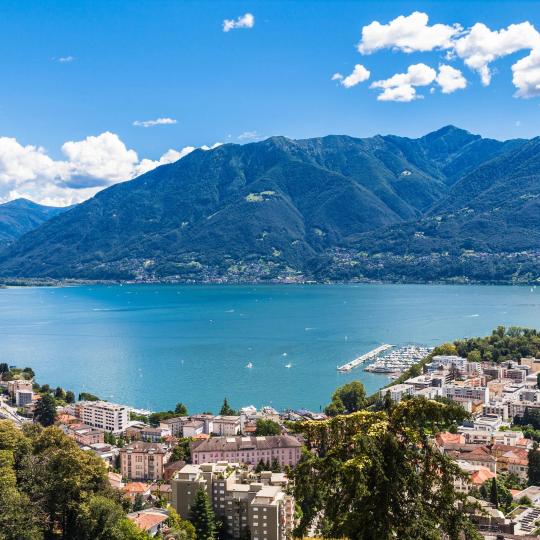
97 92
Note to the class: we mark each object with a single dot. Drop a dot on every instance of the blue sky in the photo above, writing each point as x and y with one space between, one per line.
132 60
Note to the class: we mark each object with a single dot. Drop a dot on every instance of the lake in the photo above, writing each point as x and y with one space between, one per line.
153 346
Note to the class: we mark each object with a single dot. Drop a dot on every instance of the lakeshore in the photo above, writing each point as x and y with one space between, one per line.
152 345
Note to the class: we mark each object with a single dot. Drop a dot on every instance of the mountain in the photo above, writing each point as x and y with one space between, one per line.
20 216
330 207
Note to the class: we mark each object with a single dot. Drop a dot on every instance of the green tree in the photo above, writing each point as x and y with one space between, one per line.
85 396
275 466
538 380
182 451
181 409
202 517
138 503
4 368
494 494
349 398
365 475
45 410
181 529
45 388
267 427
446 349
59 393
70 397
534 465
474 356
226 409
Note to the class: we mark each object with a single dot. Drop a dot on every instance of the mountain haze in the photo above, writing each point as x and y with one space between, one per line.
331 207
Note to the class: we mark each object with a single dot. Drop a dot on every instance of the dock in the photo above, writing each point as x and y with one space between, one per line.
368 356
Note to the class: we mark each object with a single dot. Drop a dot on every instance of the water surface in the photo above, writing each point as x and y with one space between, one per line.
152 346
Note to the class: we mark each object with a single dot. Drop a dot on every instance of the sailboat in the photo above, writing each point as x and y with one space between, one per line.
249 365
289 365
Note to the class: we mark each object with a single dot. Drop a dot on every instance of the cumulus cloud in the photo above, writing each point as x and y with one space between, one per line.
526 75
408 34
401 86
156 122
450 79
245 21
358 75
481 46
89 166
66 59
248 136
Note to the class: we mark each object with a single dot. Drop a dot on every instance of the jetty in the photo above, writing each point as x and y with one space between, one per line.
368 356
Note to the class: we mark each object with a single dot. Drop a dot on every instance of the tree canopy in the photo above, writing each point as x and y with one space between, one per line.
349 398
267 427
375 475
226 409
202 517
45 410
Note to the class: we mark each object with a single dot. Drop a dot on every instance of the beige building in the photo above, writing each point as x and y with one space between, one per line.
247 450
103 415
143 461
17 385
227 425
246 502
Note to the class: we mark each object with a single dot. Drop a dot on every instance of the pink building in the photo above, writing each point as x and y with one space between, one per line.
247 450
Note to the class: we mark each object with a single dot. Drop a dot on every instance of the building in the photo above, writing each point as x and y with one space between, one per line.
142 432
143 460
24 397
151 521
103 415
247 503
398 391
227 425
461 393
17 385
85 435
247 450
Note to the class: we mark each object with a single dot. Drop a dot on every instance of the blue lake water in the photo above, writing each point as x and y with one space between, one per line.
152 346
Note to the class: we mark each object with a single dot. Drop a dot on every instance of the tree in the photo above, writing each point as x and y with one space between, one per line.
226 409
350 397
364 475
202 517
4 368
181 409
59 393
70 397
474 356
45 410
85 396
182 451
275 466
538 380
534 465
45 388
446 349
138 503
494 494
267 427
181 529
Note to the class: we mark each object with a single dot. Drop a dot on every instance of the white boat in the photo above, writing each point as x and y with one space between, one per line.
289 365
249 365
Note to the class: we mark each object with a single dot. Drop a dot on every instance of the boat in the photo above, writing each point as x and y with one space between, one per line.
249 365
289 365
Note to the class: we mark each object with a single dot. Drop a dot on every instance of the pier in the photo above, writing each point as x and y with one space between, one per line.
368 356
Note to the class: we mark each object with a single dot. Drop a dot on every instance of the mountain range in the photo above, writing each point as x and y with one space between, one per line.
447 206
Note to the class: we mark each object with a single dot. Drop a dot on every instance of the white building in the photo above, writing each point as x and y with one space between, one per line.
466 393
398 391
103 415
23 397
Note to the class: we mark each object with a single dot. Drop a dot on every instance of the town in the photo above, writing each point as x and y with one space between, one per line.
242 460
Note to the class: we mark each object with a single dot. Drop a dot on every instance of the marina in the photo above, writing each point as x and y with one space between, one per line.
399 360
364 358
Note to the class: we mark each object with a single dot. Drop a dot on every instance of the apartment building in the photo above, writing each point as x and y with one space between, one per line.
227 425
247 503
143 460
398 391
103 415
247 450
466 393
24 397
18 385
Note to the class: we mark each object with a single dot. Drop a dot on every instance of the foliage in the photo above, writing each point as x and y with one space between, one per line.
86 396
267 427
45 410
202 517
181 529
503 344
349 398
182 451
59 393
226 409
446 349
375 475
497 494
534 465
52 489
70 397
181 409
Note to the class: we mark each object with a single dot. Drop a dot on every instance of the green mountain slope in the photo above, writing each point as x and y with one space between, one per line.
21 216
280 208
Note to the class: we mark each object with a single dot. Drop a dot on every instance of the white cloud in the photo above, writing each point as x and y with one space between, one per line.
526 75
358 75
66 59
90 165
408 34
248 136
156 122
401 86
481 46
245 21
450 79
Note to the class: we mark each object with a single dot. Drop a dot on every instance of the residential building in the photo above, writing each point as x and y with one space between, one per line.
151 521
104 415
461 393
17 385
23 397
227 425
85 435
144 461
247 450
247 503
398 391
